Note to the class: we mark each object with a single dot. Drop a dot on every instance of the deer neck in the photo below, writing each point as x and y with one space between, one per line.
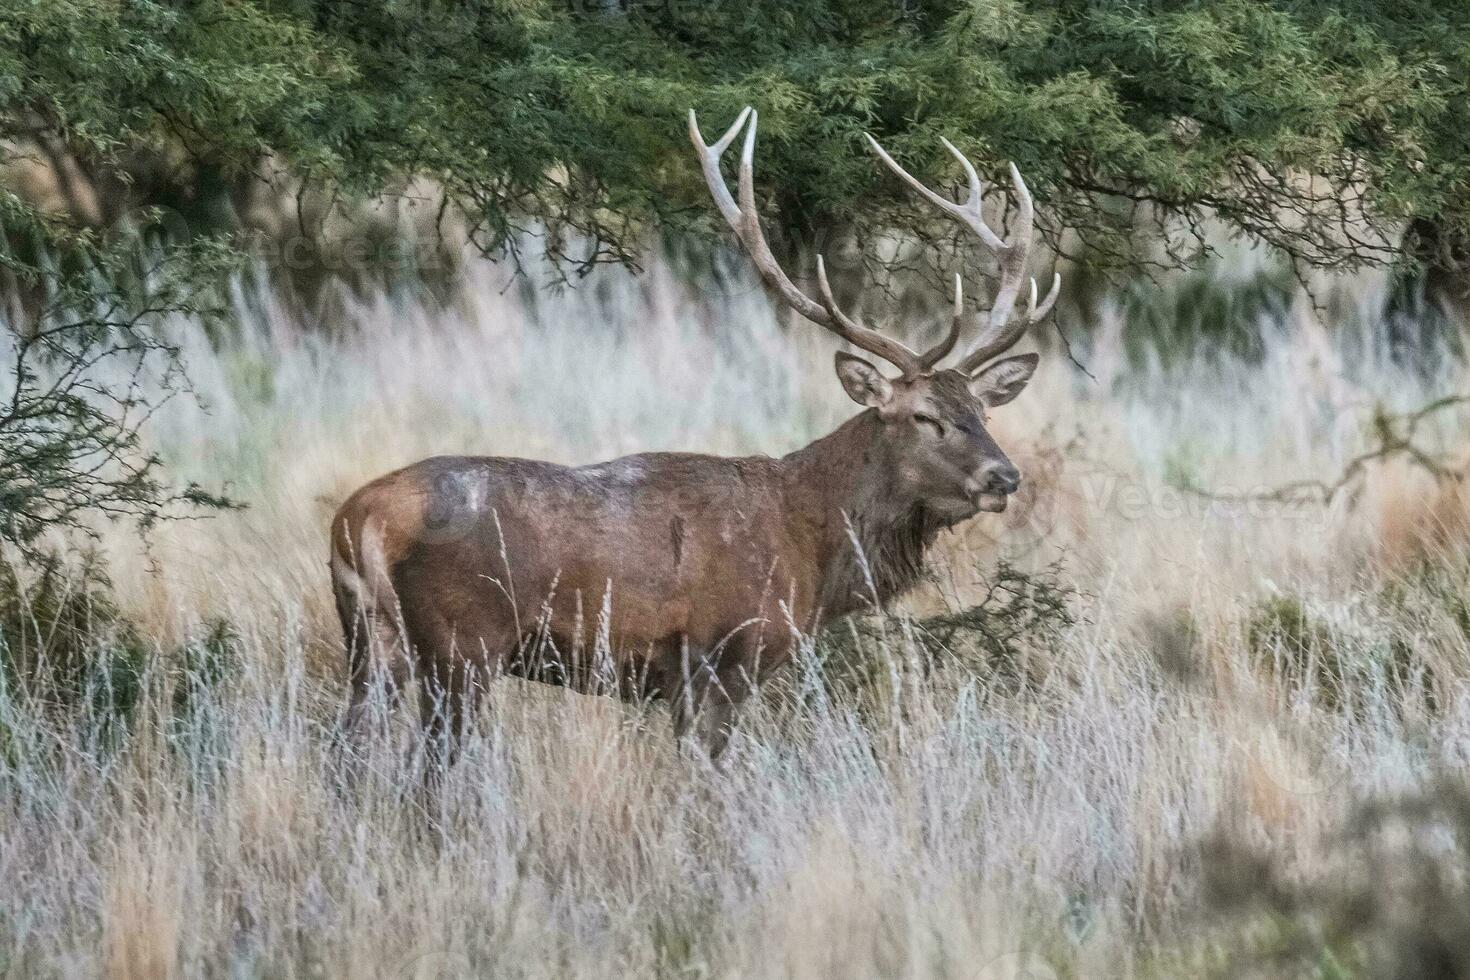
865 534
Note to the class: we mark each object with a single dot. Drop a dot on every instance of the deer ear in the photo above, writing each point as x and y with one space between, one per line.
1003 380
863 382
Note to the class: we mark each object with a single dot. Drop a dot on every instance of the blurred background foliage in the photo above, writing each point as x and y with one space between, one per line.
1324 129
348 143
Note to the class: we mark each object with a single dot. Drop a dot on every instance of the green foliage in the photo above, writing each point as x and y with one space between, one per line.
568 118
63 644
1436 591
212 86
89 89
86 369
200 667
1289 641
67 652
1202 310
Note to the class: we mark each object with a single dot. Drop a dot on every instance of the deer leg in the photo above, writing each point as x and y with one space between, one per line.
704 706
456 663
713 725
377 653
447 702
377 671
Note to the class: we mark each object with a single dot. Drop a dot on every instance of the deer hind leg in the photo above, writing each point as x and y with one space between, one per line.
377 651
448 703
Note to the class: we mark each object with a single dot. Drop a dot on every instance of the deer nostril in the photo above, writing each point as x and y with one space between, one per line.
1004 480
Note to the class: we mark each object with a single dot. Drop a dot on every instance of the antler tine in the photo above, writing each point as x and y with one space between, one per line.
999 334
968 214
1007 335
1038 313
830 303
709 161
977 187
941 350
743 217
754 239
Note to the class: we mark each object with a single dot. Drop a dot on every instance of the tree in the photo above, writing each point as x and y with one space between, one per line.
86 370
1321 128
101 85
1305 125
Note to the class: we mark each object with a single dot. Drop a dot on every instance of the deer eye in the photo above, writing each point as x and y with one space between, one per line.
921 419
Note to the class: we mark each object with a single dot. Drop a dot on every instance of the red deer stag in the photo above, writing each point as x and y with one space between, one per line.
679 575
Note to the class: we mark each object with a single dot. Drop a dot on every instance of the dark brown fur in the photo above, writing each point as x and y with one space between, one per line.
690 574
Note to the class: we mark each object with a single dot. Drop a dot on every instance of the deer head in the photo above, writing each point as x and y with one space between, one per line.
935 444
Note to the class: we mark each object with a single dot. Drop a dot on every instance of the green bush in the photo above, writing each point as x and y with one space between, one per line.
66 651
63 643
1393 904
1285 638
1205 311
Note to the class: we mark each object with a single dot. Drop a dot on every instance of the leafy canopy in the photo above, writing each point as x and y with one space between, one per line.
568 116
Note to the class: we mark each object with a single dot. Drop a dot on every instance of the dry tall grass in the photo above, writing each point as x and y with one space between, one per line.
948 824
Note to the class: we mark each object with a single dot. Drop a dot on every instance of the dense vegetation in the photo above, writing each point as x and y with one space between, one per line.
569 116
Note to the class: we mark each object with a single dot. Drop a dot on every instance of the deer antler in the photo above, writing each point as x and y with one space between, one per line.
745 220
999 334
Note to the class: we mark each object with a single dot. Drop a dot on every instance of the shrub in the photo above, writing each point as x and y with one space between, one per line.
1288 641
63 643
66 649
1338 662
989 638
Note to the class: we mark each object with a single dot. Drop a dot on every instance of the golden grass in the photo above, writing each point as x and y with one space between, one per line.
970 829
